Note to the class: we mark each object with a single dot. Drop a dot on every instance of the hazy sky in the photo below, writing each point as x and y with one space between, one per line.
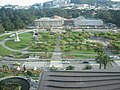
24 2
21 2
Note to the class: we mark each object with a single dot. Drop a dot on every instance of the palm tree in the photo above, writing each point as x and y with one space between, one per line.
104 60
107 61
100 59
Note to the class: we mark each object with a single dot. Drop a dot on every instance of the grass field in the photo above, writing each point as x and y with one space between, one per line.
25 40
4 37
84 51
79 56
5 52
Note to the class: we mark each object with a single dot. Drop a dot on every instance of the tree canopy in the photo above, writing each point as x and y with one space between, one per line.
14 19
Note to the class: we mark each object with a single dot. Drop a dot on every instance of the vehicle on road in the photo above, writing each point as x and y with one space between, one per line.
85 62
65 62
115 57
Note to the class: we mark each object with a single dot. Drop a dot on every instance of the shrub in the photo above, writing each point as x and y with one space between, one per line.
70 68
29 73
53 68
87 67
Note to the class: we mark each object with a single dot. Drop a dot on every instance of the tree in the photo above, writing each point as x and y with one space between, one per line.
67 50
70 68
75 46
98 50
69 40
16 64
46 49
2 29
77 40
18 23
104 60
5 66
105 15
7 24
29 73
107 61
62 42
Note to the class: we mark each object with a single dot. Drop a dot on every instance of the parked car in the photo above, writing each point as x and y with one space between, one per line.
115 57
85 62
65 62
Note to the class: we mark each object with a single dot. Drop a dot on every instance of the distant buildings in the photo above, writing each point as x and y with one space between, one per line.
72 4
37 5
15 6
88 1
48 4
57 21
56 3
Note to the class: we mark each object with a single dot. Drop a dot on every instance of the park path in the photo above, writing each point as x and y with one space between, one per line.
105 42
8 48
57 52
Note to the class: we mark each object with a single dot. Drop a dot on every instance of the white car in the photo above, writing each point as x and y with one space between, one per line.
65 62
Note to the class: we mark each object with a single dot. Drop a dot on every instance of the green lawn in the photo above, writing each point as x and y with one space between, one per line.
4 52
4 37
40 49
76 56
84 51
41 55
25 38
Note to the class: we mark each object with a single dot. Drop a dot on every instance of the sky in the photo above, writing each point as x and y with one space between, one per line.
24 2
21 2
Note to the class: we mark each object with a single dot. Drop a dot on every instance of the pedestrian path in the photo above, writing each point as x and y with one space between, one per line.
57 52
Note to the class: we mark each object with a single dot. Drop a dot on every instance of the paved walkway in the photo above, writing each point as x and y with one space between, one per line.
57 52
8 48
105 42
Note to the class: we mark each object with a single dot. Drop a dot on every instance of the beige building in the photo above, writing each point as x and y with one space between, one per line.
55 21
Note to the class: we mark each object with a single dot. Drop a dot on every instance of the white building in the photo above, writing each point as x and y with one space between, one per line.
81 21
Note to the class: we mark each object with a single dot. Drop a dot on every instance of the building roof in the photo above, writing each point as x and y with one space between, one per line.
47 19
80 18
57 17
54 18
80 80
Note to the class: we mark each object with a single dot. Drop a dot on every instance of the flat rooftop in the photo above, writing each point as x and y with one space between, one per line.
80 80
